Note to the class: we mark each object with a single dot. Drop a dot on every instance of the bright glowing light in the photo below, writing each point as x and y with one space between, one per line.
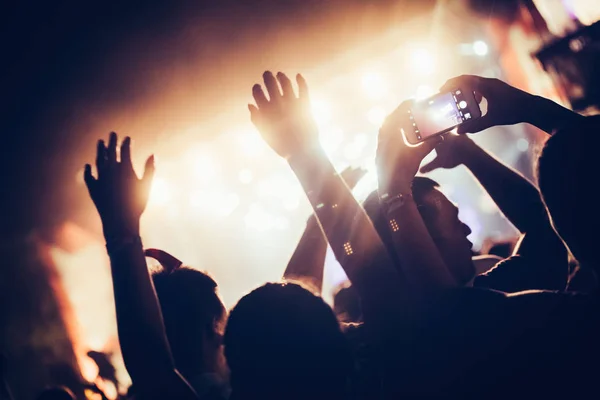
205 168
480 48
331 139
424 91
160 193
251 144
373 85
423 61
462 104
291 203
486 204
245 176
376 116
214 203
281 223
258 219
321 110
522 145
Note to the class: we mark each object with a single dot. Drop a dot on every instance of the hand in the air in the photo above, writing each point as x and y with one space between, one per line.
120 197
507 105
397 161
450 153
352 176
284 120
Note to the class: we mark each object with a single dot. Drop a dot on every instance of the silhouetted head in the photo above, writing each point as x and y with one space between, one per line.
194 319
284 342
56 393
441 219
567 169
347 305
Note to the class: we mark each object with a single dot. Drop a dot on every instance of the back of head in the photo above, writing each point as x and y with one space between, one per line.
193 315
567 170
282 341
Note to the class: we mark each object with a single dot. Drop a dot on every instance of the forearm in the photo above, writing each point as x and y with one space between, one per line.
548 115
517 198
139 320
308 260
349 231
419 257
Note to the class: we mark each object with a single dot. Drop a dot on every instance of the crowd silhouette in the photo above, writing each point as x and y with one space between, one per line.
422 315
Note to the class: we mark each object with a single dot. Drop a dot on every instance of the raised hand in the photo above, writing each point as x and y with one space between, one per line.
352 176
284 120
397 161
120 197
450 153
507 105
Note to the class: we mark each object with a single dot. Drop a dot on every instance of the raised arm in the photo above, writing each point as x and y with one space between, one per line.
397 164
285 123
120 198
308 260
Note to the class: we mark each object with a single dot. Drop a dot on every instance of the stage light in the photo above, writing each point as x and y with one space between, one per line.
258 219
251 144
160 192
522 145
423 92
245 176
376 116
373 85
423 61
227 204
480 48
321 111
205 168
331 139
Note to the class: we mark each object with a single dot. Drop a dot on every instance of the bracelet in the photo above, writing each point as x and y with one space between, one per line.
115 245
392 203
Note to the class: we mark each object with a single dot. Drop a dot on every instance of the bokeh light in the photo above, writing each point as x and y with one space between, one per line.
480 48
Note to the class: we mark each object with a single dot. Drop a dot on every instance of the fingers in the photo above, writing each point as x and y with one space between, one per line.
165 259
431 166
259 96
475 125
302 89
88 177
101 157
272 87
286 86
126 151
149 169
111 152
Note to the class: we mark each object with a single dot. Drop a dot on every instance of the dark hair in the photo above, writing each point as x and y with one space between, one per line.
567 169
282 341
420 187
191 308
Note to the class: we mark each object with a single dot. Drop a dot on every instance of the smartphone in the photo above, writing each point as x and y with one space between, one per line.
438 114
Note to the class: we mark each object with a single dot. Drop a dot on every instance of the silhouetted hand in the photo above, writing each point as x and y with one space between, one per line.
284 120
507 105
120 197
450 153
352 176
397 161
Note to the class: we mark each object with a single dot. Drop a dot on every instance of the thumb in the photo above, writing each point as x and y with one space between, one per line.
148 173
432 165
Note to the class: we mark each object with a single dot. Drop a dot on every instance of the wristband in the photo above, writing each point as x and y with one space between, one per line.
115 245
392 203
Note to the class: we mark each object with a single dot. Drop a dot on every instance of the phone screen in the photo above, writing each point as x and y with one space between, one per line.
438 113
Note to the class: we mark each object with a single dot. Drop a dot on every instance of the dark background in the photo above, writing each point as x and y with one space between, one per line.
67 64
